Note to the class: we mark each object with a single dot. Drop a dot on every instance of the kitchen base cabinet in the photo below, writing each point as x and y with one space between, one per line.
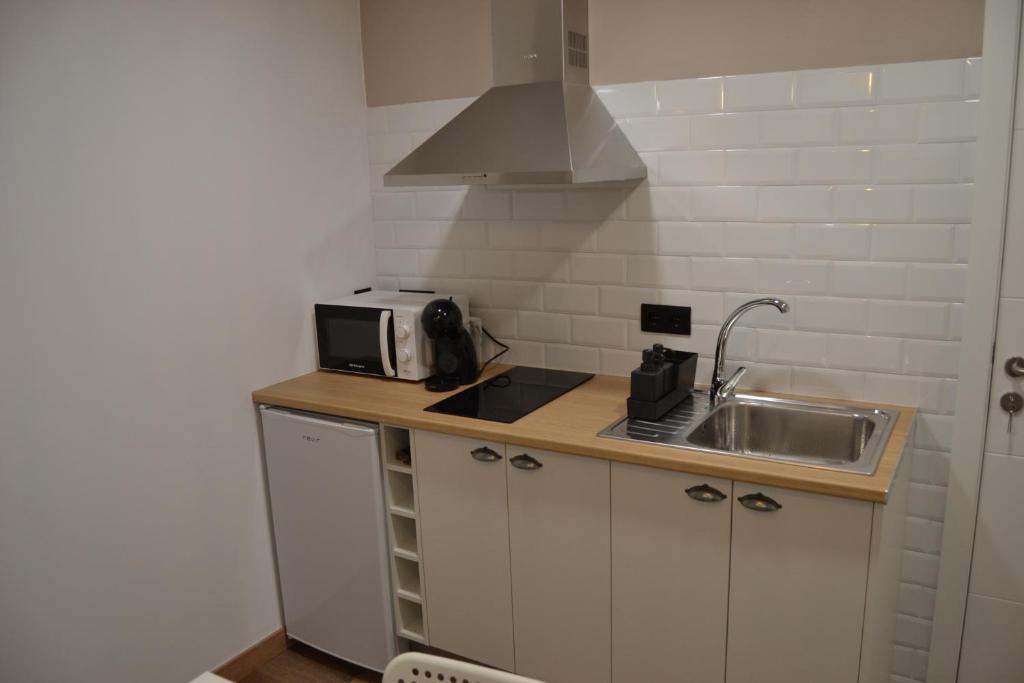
670 575
561 556
797 586
463 513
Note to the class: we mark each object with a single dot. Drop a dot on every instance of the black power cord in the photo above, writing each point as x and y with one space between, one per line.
504 349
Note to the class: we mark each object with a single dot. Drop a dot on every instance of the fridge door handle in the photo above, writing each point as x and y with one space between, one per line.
385 357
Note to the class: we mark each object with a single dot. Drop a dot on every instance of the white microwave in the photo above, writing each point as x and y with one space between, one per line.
378 333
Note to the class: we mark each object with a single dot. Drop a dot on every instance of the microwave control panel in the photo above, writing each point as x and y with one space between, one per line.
412 359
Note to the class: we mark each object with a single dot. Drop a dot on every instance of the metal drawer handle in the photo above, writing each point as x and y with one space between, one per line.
485 454
705 494
758 502
525 462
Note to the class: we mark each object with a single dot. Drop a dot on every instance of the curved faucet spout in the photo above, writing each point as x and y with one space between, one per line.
720 387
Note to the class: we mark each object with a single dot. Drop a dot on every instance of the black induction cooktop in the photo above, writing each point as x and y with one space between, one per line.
510 395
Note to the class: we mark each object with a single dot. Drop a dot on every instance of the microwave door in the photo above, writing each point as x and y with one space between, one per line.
385 343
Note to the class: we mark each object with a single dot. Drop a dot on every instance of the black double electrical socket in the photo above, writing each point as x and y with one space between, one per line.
665 319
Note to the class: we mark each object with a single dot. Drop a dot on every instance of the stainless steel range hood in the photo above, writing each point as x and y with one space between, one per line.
541 123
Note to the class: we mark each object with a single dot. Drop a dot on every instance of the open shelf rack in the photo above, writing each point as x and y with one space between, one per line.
403 527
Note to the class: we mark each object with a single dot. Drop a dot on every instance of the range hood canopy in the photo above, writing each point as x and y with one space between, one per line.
541 123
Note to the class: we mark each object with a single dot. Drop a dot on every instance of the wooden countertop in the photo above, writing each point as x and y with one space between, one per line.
570 424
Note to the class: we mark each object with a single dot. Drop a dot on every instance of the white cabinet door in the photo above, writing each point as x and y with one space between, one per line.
464 540
797 587
561 579
670 575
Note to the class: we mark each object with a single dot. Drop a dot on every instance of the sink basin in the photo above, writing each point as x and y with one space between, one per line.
833 437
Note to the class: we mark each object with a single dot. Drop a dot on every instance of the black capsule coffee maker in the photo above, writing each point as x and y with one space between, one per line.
455 359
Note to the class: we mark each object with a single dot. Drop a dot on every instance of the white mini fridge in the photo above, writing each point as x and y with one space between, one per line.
326 501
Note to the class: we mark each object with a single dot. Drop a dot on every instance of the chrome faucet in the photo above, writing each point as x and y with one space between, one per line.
722 389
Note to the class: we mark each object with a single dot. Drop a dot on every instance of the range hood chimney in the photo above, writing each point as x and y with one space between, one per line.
541 123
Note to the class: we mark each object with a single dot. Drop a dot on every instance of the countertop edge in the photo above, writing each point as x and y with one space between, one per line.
869 488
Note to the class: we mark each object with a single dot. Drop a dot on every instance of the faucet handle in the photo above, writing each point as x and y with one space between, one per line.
729 388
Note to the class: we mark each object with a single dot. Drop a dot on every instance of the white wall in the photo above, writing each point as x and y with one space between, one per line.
179 181
845 191
994 623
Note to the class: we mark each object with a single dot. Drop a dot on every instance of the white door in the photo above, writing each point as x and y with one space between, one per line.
797 586
464 542
559 531
670 575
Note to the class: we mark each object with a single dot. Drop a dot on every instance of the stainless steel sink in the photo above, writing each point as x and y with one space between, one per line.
819 435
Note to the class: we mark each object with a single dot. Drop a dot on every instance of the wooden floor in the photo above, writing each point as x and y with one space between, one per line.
301 664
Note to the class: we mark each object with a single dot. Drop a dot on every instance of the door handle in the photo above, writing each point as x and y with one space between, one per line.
705 494
485 454
385 344
758 502
525 462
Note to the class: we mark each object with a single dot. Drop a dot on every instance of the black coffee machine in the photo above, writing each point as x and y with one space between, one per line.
455 360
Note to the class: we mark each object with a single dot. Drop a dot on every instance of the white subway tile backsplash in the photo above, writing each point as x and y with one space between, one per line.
599 268
690 238
541 265
879 203
908 319
937 282
559 298
498 321
830 383
792 277
568 236
972 77
724 130
831 240
830 315
462 234
658 202
834 165
596 205
756 239
655 134
796 203
912 242
441 262
629 99
417 234
397 262
798 127
943 203
692 167
869 280
394 205
627 237
446 110
690 96
624 302
962 243
524 353
724 274
915 81
886 123
575 358
659 271
439 203
857 352
389 148
761 317
760 166
705 307
548 327
724 203
604 332
922 357
759 91
517 295
538 205
781 346
616 362
933 163
513 235
486 204
383 234
948 121
376 120
835 86
415 116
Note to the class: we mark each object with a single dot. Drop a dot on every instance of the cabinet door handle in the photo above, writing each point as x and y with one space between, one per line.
485 454
525 462
758 502
705 494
